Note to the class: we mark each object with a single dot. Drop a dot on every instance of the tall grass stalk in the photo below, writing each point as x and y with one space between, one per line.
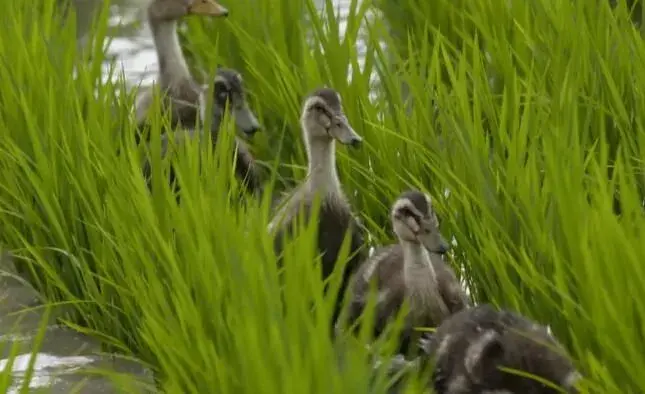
528 112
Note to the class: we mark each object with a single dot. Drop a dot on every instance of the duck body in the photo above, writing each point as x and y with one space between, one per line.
433 297
181 104
469 346
245 168
335 219
323 122
411 270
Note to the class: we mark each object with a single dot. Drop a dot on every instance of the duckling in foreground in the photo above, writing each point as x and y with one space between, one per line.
182 94
411 270
470 345
323 122
228 92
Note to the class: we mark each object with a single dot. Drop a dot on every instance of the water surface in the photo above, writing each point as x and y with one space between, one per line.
65 357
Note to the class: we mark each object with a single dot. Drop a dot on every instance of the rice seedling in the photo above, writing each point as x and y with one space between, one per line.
529 113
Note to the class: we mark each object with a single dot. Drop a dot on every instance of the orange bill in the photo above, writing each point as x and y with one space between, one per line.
208 8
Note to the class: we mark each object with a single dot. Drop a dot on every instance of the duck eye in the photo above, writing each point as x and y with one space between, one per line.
317 108
407 212
220 88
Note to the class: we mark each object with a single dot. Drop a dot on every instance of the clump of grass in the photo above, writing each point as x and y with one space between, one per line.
533 141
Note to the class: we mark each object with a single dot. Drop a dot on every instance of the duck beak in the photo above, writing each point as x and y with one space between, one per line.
208 8
435 243
246 121
345 134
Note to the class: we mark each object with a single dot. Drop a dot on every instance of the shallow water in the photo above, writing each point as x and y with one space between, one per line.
65 357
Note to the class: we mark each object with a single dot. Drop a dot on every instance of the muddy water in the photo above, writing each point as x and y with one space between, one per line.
66 358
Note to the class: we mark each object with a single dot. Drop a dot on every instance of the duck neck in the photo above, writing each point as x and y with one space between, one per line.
321 172
416 260
172 64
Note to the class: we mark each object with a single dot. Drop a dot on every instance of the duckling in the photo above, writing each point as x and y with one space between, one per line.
323 122
470 345
228 92
412 270
182 94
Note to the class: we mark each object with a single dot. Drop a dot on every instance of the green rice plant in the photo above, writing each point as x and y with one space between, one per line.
447 17
141 271
538 158
528 114
280 49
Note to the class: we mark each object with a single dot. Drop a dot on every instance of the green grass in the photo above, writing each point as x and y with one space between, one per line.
534 145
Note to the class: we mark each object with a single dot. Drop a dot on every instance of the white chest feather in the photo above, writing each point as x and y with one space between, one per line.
422 289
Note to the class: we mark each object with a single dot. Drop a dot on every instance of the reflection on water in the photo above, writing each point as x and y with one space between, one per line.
65 356
44 369
59 374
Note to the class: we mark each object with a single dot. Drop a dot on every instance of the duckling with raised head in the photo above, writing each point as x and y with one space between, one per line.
468 347
182 94
323 122
411 270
